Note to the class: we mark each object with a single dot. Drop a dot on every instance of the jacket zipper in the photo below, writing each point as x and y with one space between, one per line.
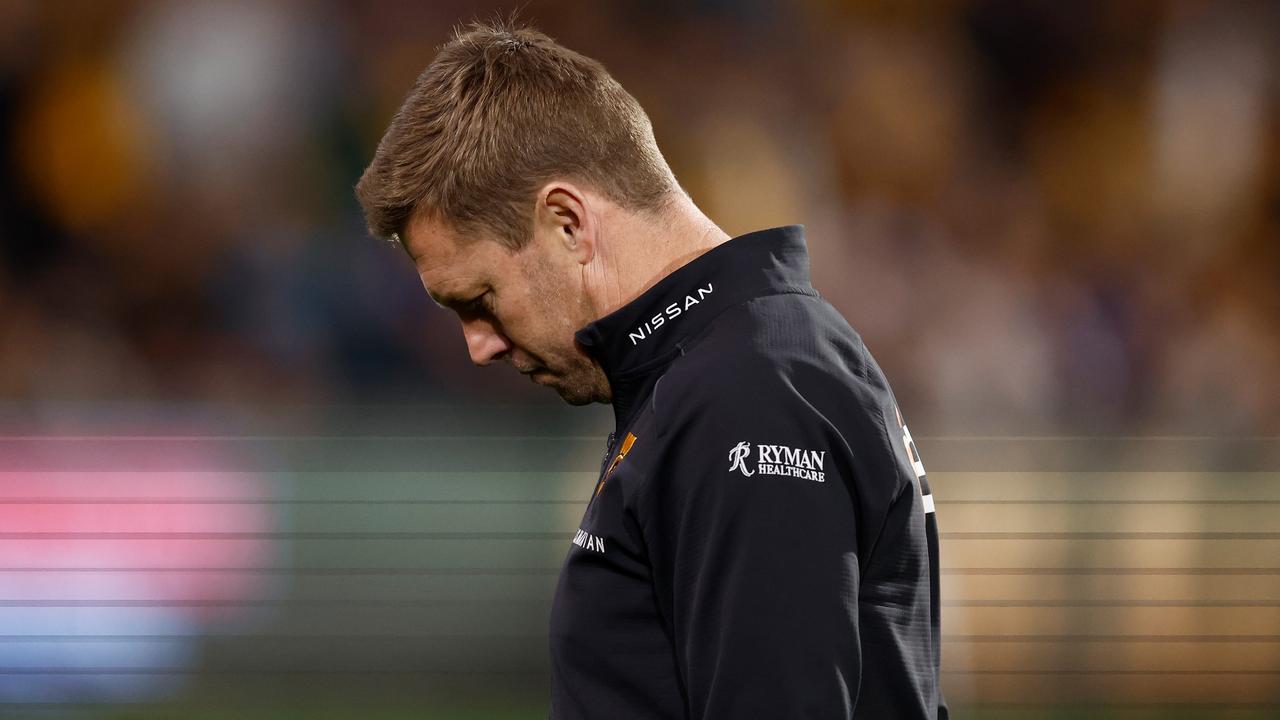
608 450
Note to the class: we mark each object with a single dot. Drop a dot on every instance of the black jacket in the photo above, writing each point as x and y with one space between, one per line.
761 542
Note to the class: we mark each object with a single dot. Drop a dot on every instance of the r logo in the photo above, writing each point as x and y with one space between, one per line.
738 456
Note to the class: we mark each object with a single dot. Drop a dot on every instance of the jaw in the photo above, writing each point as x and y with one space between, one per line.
583 388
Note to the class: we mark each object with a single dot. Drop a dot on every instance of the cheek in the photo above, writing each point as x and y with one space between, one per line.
543 327
541 313
523 322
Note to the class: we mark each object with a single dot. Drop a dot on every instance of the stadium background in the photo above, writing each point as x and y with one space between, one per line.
246 469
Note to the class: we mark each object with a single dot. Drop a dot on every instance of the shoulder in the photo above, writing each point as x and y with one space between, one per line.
784 356
785 371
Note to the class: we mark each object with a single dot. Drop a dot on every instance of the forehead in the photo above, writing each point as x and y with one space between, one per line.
449 264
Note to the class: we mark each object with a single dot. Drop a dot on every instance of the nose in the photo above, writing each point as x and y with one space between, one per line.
484 341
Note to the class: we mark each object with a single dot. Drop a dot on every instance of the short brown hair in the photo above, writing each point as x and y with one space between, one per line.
502 109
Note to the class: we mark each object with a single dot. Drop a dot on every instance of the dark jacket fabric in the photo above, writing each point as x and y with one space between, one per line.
761 541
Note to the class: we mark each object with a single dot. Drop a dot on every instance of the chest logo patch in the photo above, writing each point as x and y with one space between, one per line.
778 460
627 442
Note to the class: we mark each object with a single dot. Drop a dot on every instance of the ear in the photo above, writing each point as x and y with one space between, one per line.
564 212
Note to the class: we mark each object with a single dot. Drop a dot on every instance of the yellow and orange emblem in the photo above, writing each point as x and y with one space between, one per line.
627 442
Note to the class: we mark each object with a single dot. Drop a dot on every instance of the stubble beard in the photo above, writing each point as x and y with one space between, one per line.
575 376
580 380
584 384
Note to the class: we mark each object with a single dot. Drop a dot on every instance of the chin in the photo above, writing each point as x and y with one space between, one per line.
576 400
571 395
575 394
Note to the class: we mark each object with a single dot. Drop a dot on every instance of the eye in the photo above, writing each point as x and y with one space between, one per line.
481 304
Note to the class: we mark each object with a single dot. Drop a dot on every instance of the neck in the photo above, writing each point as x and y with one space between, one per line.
640 250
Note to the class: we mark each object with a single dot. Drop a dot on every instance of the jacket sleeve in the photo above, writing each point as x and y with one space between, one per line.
751 534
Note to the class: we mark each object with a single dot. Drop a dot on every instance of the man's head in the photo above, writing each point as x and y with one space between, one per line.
498 175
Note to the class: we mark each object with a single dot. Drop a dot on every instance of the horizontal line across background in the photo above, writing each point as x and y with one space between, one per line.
425 671
323 571
349 603
63 500
502 535
522 453
383 637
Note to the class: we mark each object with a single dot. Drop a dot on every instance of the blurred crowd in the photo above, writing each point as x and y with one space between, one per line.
1043 217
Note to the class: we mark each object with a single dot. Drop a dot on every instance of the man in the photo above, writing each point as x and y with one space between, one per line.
761 541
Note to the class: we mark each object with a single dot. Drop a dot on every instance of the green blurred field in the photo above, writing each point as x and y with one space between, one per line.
411 577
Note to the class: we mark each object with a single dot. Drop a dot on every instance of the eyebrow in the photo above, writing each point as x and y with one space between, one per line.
444 302
448 302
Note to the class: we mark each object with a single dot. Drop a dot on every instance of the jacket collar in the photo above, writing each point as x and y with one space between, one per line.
636 342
